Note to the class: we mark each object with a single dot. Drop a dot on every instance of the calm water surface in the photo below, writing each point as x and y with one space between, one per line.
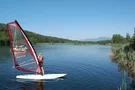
88 67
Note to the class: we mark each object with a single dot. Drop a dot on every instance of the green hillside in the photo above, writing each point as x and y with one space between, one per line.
4 39
37 38
34 37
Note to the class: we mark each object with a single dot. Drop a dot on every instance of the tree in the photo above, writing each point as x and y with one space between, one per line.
117 38
128 37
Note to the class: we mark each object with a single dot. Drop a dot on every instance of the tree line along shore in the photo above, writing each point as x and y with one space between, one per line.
37 38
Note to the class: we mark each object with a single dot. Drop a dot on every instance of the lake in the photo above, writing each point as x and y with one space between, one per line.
88 67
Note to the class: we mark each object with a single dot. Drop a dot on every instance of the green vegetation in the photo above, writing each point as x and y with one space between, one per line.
4 39
34 38
124 55
37 38
118 39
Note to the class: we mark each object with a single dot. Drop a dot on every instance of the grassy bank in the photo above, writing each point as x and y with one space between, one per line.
125 56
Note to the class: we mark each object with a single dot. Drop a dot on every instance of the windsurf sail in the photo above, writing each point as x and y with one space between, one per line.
24 55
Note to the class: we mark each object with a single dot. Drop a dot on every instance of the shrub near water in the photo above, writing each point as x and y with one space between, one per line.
125 56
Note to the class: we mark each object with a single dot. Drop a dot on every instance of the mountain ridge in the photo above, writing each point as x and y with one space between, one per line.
98 39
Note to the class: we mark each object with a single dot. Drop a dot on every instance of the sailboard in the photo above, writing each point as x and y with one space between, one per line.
38 76
24 55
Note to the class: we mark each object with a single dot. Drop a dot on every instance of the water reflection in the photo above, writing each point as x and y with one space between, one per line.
37 85
40 85
123 85
126 84
5 52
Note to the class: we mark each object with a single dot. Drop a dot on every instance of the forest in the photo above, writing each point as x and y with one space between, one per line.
37 38
34 37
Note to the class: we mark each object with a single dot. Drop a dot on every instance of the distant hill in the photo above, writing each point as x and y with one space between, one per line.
98 39
38 38
34 37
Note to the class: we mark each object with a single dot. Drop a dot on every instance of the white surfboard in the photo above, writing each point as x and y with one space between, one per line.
38 76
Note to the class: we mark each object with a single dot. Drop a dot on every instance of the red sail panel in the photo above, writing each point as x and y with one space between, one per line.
25 58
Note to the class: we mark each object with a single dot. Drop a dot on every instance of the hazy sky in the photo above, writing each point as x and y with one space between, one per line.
71 19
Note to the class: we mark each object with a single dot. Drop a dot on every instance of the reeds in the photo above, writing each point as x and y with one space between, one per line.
125 57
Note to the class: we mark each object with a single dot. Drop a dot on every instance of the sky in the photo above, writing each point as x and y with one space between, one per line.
71 19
